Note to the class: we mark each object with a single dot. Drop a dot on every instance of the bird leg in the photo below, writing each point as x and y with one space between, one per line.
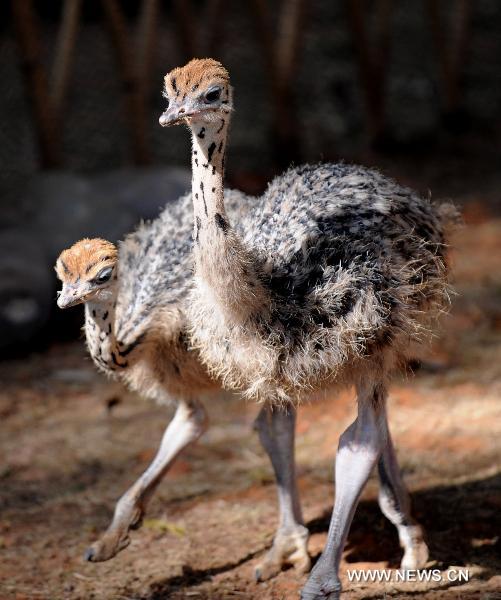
395 504
359 449
188 424
276 428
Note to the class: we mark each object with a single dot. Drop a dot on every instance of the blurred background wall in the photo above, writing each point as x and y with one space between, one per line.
412 87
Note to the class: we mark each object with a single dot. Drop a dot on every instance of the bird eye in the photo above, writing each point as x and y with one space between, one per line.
104 275
212 95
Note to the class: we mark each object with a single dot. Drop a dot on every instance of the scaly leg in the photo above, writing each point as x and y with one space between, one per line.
359 449
188 424
276 428
395 504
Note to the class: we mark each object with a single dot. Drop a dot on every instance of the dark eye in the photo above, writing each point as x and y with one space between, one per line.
104 275
212 95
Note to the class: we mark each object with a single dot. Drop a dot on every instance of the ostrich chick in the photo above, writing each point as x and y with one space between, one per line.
151 357
324 282
135 326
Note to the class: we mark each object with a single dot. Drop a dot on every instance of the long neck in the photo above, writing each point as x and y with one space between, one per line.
207 164
221 260
106 352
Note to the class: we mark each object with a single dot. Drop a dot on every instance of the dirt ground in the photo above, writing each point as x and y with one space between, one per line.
71 442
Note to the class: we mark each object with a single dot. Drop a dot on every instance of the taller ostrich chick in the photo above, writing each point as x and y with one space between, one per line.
326 281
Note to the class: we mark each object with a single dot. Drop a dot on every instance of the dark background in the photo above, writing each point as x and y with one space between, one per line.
410 87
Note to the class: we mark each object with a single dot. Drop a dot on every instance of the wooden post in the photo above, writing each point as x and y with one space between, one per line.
146 46
134 99
281 59
61 70
214 31
451 53
185 26
36 82
372 61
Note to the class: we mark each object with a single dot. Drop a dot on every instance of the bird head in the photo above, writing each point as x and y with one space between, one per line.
88 272
199 91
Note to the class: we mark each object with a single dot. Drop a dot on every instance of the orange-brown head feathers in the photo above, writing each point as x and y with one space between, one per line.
86 269
198 90
196 76
85 259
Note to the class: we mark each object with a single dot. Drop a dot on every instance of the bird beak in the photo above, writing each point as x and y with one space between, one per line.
176 115
173 116
70 295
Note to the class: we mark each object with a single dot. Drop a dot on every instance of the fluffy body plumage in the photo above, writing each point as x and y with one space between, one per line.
349 267
331 273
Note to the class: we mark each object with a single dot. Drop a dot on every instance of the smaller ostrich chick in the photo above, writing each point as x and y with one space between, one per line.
150 356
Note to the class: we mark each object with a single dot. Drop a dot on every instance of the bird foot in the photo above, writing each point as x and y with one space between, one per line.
415 549
322 584
289 548
116 538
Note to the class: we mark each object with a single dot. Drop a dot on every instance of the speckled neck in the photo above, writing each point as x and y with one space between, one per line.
101 340
207 161
224 268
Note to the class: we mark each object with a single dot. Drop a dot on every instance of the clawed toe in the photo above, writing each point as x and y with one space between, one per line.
107 547
321 585
415 549
128 516
328 591
100 552
415 557
288 549
89 554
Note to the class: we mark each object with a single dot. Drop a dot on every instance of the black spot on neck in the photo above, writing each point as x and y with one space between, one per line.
210 151
203 198
221 222
198 227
